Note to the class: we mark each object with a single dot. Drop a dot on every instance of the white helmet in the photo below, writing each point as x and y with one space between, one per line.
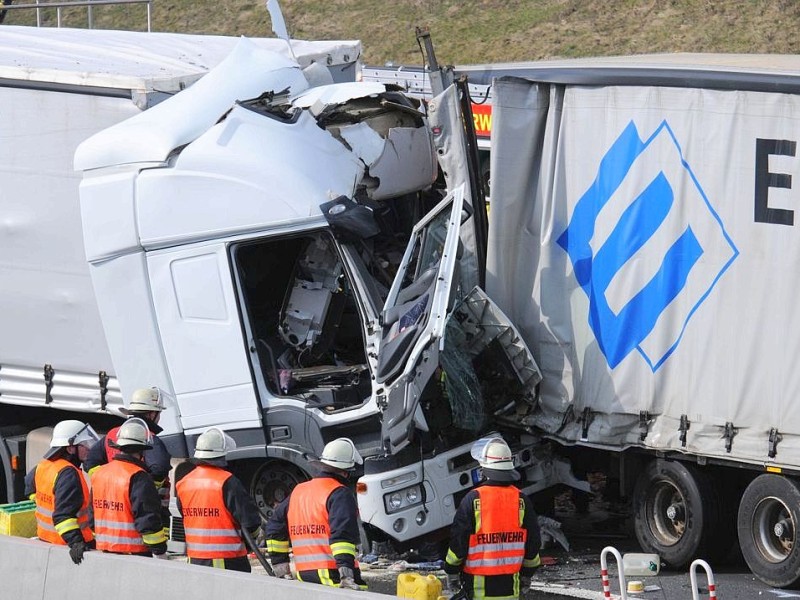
73 433
134 435
144 400
213 443
341 453
493 455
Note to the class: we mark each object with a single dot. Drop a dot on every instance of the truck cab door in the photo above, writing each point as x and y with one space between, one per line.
413 319
202 339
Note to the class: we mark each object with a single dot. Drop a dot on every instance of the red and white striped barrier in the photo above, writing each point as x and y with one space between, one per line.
712 587
604 572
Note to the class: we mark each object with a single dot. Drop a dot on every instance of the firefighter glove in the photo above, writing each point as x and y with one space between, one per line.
347 579
453 582
76 551
282 570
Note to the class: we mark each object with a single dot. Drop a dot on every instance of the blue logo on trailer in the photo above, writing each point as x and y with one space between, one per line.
632 319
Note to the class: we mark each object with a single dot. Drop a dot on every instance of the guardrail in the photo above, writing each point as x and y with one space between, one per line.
89 4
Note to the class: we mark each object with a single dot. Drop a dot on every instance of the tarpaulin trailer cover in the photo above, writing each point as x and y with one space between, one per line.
644 210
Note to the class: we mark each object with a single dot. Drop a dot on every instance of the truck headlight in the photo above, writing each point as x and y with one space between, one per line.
402 499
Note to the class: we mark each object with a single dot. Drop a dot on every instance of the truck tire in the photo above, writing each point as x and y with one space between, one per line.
769 514
272 482
678 514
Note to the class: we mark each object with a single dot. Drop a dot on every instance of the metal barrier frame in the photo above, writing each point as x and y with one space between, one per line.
89 4
712 586
623 590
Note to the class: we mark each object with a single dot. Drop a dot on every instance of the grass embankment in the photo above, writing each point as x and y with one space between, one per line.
479 31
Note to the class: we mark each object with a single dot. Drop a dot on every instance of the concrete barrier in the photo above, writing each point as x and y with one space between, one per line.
35 570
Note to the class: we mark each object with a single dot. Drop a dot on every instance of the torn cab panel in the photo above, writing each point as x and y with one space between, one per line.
379 125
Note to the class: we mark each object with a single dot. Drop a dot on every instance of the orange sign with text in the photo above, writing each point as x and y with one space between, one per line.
482 116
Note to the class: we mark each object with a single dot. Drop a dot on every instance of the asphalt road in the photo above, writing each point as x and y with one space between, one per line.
576 573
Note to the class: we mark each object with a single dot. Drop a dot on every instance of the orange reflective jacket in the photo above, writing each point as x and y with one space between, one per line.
114 525
211 531
309 529
45 480
498 545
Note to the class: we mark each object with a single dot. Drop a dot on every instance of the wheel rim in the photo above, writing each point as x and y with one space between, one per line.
272 484
773 529
666 512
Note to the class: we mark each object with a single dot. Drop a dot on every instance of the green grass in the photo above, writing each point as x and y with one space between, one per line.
479 31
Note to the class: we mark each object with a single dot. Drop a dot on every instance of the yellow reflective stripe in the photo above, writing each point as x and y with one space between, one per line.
521 511
154 538
343 548
476 509
67 525
325 578
278 546
536 561
218 563
32 496
452 559
478 587
516 585
93 469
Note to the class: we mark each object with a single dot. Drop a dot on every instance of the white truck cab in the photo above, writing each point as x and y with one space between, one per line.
292 265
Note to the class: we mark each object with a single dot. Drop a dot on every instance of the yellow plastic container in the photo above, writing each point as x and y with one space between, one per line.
18 519
418 587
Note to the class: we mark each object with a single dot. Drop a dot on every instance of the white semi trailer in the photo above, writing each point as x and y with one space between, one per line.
644 209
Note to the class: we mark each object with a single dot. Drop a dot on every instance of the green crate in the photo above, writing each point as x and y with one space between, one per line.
18 519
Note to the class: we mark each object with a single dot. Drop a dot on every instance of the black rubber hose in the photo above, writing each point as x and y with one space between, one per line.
257 551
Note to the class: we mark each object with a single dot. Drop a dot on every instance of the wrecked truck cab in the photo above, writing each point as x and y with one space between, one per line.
266 230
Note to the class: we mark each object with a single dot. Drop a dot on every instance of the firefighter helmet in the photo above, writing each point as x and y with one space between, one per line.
213 443
134 436
144 400
73 433
341 453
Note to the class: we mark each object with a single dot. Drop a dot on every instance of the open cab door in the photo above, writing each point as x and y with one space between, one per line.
448 344
413 319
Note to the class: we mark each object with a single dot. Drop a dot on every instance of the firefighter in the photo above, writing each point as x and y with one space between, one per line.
146 404
319 521
495 539
216 506
59 489
127 509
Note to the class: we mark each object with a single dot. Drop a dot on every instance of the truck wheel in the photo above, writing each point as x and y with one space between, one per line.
769 514
676 512
272 483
